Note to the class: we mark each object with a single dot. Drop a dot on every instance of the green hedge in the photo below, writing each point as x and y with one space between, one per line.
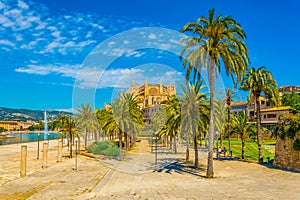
106 148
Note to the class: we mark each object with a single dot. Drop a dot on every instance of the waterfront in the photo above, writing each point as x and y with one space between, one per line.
14 138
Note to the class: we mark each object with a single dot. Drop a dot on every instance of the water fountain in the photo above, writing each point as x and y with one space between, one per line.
45 126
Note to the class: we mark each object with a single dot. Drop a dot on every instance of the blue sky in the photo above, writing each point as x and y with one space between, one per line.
45 45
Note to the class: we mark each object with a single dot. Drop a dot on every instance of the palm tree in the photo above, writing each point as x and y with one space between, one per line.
132 116
230 93
193 106
70 128
86 121
214 40
63 118
172 125
220 116
241 127
258 81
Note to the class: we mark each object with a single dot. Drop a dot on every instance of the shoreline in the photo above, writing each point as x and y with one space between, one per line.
26 132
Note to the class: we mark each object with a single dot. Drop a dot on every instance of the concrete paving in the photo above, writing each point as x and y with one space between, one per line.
138 177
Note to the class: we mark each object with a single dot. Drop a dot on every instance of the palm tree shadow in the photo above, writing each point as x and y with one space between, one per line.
181 167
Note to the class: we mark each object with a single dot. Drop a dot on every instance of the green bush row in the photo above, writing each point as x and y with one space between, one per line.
106 148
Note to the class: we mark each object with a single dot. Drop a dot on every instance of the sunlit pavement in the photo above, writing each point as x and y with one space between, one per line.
138 177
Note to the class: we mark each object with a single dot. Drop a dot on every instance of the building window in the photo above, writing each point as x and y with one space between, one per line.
268 103
271 115
251 113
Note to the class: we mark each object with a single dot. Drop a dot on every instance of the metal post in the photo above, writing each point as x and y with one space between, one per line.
23 160
38 150
156 150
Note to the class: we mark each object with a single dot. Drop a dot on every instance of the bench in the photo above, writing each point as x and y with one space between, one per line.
222 150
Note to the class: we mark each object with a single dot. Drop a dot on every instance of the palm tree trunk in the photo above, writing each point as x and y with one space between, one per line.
221 140
210 170
258 124
70 143
229 146
85 138
243 147
126 141
120 145
175 145
187 155
195 146
200 138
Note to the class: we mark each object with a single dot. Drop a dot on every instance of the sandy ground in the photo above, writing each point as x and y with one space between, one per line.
137 177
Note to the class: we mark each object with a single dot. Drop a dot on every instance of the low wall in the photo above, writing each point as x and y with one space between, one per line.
285 156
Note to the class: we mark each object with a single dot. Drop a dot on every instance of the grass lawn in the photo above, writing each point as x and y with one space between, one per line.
251 149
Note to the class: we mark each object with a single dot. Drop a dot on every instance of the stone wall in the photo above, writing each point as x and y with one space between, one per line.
285 156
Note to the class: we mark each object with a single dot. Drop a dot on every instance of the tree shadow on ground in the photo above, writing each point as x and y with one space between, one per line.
182 167
271 166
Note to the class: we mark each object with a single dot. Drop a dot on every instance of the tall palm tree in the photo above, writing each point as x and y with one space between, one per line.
193 106
241 127
214 40
220 116
133 119
258 81
230 94
70 129
86 121
172 125
62 118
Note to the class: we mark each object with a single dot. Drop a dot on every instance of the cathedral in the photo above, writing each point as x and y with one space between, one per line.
151 94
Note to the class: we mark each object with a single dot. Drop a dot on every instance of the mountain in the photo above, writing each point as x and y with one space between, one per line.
26 114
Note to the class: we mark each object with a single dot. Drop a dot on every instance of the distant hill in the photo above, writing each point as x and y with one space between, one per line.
26 114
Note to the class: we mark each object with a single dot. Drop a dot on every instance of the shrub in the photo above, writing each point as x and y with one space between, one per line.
106 148
113 151
296 145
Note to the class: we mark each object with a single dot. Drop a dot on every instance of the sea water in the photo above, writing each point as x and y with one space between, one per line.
27 137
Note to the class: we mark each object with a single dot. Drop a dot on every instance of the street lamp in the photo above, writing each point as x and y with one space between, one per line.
76 152
156 139
38 150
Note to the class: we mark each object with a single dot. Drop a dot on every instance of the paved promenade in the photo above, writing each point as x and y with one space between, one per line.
56 181
138 177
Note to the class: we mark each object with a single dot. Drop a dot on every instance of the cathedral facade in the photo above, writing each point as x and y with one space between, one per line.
151 94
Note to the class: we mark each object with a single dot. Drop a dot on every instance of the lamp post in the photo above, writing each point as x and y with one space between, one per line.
38 150
76 152
156 148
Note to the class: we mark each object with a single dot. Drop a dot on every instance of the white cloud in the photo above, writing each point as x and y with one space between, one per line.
22 5
2 5
64 70
152 36
7 42
164 46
